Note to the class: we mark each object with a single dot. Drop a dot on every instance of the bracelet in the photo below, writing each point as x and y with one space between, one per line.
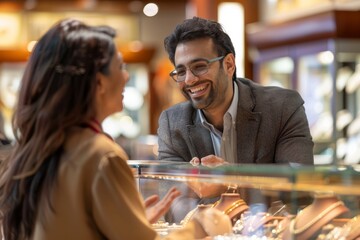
188 216
233 206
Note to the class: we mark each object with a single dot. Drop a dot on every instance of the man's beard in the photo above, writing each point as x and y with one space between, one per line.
203 102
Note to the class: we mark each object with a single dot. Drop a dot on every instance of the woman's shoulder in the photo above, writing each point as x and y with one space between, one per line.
82 143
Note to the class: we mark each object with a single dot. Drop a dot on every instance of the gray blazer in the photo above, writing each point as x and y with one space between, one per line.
271 128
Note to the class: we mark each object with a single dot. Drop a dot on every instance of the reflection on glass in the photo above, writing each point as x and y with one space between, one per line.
277 72
315 86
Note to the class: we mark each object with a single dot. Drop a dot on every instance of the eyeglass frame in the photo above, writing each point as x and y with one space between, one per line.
208 61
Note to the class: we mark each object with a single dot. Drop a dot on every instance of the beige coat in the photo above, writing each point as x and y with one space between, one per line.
95 196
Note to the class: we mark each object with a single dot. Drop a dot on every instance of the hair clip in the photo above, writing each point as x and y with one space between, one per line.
71 70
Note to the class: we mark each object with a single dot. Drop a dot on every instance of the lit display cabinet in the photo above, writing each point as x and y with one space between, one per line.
319 56
266 201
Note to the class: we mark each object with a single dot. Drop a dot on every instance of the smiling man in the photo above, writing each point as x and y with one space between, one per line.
227 119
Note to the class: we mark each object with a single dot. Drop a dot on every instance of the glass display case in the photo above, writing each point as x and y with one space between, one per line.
283 202
322 64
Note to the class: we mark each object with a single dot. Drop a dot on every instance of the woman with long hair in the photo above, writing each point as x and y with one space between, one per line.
65 178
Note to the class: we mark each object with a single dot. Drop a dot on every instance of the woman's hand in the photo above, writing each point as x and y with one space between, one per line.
155 209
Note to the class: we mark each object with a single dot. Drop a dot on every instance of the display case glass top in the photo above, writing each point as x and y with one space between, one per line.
342 180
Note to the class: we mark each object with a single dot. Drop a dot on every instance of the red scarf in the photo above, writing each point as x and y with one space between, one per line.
95 126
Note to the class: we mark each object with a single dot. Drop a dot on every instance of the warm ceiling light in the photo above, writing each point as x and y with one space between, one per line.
150 9
31 45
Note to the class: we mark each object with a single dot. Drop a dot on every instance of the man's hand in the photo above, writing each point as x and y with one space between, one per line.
155 209
203 189
208 161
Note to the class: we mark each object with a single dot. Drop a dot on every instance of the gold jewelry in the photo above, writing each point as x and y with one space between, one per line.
343 232
278 231
294 231
188 216
280 227
351 228
233 206
215 203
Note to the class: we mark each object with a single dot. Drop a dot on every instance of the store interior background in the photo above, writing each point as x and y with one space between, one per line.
312 46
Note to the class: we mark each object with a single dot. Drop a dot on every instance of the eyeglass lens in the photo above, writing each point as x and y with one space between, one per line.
197 68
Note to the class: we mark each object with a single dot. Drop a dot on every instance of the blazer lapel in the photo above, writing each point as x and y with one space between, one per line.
247 125
247 129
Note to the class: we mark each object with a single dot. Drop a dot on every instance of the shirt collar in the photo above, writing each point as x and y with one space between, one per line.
233 107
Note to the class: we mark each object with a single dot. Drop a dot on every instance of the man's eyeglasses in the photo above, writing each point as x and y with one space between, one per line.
197 68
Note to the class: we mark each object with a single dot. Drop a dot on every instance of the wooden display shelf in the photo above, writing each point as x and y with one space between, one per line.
14 55
331 24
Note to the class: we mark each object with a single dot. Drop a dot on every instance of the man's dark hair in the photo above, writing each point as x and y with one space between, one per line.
196 28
